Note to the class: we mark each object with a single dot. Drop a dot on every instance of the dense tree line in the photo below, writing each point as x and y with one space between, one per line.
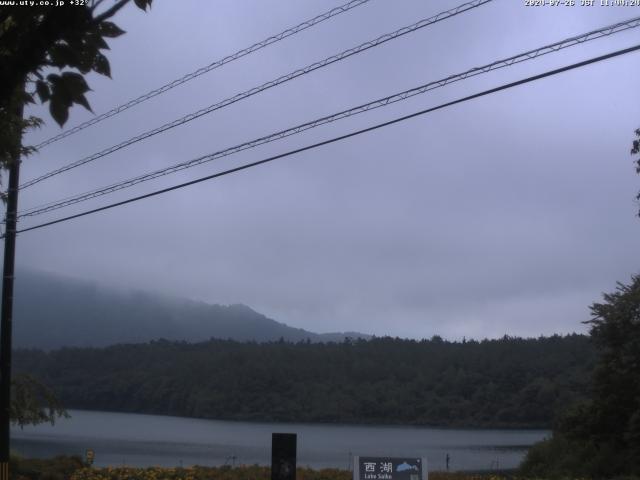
510 382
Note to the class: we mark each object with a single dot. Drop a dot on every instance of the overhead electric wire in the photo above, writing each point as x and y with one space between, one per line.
265 86
212 66
528 55
342 137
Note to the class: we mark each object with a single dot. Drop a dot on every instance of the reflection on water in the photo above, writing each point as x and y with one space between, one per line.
144 440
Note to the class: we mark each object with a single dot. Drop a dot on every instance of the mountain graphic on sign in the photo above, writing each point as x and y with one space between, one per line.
404 466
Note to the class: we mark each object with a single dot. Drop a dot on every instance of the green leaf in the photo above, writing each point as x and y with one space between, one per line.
143 4
82 100
62 55
101 65
97 41
33 122
43 91
27 98
67 89
76 86
59 92
86 59
110 30
75 83
59 111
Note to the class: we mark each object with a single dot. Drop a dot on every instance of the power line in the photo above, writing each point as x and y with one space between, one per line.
265 86
212 66
342 137
529 55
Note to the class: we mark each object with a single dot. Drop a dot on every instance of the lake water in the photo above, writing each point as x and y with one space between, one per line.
145 440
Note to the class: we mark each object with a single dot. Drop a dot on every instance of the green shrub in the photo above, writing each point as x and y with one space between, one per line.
58 468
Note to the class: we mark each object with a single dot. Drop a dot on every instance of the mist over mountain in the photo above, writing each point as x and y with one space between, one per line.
51 311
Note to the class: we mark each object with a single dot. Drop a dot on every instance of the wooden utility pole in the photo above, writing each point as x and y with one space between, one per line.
6 314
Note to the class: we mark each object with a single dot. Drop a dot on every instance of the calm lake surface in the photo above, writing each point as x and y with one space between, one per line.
145 440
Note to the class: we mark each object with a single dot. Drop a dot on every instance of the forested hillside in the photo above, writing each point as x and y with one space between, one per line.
509 382
53 311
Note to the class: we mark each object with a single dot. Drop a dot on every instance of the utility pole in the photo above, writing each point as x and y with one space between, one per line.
7 303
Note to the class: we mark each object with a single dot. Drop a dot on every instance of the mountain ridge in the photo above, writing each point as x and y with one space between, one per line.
53 311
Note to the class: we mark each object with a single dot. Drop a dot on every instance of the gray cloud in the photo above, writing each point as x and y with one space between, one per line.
506 215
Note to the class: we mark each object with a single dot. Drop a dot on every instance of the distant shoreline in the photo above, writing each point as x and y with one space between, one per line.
322 424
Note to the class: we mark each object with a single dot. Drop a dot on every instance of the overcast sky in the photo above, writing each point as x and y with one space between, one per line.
508 214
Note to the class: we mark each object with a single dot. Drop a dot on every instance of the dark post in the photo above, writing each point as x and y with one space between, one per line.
283 456
7 310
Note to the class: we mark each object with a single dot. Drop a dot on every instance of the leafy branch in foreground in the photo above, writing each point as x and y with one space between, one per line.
635 150
33 402
45 52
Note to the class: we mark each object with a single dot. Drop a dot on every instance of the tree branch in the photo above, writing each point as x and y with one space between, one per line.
111 12
96 4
